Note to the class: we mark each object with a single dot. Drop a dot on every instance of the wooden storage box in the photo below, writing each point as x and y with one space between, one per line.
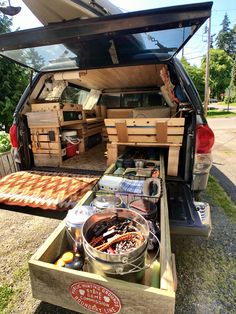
86 292
46 147
54 118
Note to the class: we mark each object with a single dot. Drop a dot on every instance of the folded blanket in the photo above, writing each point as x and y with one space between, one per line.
44 190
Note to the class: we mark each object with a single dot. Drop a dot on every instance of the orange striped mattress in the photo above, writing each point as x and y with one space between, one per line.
47 191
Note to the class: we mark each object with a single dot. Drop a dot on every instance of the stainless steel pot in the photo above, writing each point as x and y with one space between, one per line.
128 265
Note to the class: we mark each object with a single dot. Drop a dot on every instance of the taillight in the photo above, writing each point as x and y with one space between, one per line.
13 136
205 139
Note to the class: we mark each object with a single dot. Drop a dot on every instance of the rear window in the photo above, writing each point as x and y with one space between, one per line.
116 49
132 100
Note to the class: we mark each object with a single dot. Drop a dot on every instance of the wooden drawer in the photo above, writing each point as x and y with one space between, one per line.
60 286
53 118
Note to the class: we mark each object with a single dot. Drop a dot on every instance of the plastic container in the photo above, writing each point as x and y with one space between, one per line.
72 142
106 201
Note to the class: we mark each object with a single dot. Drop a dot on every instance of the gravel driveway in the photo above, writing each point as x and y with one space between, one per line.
205 268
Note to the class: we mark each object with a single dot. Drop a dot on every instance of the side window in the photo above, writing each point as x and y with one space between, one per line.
74 95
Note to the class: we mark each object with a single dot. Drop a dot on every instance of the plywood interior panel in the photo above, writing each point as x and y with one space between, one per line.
117 77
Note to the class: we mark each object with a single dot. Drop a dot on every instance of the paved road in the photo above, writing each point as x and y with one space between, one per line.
224 153
222 107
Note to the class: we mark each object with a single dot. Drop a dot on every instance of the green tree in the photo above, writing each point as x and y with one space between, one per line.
34 59
225 39
197 75
231 90
220 71
13 81
233 76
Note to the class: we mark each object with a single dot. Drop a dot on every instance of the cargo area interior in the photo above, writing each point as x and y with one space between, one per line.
66 112
82 121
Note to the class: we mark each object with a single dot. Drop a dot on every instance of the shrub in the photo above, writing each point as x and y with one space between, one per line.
5 144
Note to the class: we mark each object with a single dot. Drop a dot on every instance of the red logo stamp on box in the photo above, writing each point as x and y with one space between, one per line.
95 298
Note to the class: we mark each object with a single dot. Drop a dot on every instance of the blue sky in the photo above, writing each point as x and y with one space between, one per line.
196 47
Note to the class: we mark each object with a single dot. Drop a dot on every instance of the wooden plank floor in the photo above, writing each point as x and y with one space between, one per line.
93 159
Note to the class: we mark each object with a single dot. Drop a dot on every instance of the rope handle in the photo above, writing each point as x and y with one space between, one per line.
68 139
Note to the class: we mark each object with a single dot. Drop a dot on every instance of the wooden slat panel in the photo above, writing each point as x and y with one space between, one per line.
112 153
55 106
135 298
92 132
119 113
44 118
95 125
148 139
122 134
43 130
161 129
45 145
65 123
43 138
174 272
45 107
94 120
7 163
45 151
46 160
146 122
167 281
147 130
119 77
139 144
76 126
173 161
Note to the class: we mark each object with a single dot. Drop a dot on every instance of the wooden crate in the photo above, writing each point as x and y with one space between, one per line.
92 127
55 118
7 164
148 132
163 131
58 285
47 150
88 128
41 142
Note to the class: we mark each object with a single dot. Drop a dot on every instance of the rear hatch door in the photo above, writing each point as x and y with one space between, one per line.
127 38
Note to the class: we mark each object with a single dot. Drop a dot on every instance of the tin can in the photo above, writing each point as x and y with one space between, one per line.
74 221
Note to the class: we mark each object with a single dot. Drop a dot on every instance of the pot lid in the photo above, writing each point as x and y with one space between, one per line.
78 215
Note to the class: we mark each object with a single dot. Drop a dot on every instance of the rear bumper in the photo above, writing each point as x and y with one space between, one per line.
201 225
187 217
202 166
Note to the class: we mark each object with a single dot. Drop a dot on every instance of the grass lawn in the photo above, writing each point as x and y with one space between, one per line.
221 198
222 103
216 113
